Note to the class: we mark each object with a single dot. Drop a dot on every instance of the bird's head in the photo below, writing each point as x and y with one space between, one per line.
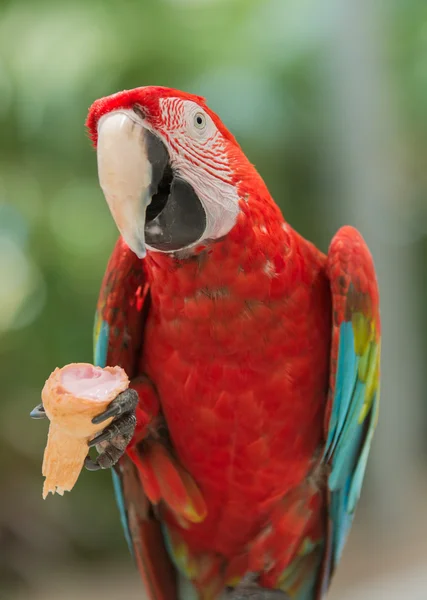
168 167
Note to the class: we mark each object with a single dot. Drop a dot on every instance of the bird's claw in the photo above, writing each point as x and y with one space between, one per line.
38 412
91 465
111 443
124 403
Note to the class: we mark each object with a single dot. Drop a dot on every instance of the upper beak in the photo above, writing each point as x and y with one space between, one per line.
126 174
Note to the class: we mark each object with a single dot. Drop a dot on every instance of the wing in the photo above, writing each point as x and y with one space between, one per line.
353 401
122 310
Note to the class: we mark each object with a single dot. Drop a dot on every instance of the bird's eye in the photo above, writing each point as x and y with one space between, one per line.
199 120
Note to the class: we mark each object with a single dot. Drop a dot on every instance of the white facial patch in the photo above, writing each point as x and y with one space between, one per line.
198 154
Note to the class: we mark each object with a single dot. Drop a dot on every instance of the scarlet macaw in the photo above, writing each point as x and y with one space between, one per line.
254 360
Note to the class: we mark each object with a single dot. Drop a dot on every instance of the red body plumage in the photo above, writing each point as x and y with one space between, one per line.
241 363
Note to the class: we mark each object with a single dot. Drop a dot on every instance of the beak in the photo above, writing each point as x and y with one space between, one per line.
126 173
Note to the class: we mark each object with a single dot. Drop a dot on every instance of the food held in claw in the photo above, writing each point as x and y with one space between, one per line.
72 396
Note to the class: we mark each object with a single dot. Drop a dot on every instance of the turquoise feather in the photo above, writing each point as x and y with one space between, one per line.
349 436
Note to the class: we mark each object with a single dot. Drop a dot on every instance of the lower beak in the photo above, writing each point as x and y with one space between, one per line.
126 174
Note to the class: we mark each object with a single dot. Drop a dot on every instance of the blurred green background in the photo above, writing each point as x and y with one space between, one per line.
328 99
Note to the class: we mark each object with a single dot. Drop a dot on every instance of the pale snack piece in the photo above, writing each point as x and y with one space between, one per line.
72 396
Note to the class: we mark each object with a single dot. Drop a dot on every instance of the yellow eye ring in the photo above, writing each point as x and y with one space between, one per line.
199 120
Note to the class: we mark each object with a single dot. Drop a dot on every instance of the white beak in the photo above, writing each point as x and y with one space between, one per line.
125 174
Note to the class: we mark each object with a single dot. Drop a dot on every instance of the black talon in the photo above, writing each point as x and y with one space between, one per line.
38 412
113 411
123 403
108 433
107 459
91 465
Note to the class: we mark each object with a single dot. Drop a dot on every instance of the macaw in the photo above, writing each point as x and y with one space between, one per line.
240 449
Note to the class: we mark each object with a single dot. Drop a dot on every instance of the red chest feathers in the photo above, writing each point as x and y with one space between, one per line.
238 347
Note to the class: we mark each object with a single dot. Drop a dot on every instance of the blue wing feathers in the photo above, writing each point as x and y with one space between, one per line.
342 521
345 382
348 446
350 433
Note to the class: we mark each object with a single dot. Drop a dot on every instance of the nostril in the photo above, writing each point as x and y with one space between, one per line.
139 111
